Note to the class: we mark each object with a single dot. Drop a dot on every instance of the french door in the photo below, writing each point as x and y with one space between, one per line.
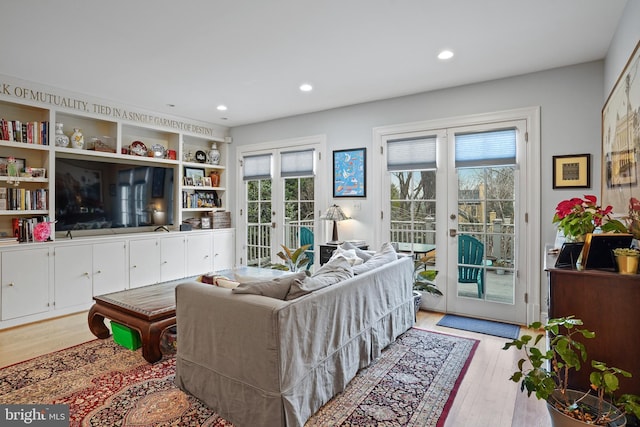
277 202
485 220
456 197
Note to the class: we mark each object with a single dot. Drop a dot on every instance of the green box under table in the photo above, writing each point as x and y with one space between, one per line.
125 336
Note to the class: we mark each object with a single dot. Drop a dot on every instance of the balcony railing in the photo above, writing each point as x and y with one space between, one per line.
259 240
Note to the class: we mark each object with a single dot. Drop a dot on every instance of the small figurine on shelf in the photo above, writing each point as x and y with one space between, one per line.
12 171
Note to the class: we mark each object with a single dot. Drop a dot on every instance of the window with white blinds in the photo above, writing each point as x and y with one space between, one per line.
257 167
297 163
411 154
493 148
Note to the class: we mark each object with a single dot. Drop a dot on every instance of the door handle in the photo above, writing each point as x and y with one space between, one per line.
453 232
273 225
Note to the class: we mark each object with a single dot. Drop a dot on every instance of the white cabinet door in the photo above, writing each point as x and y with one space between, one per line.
109 267
224 252
25 282
199 254
172 258
144 262
73 284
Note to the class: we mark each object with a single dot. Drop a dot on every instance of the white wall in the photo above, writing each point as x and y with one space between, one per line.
624 41
570 99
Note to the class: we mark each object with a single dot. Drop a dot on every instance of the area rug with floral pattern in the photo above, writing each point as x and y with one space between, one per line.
412 383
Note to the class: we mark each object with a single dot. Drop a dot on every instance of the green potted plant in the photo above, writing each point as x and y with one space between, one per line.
294 259
546 374
627 260
424 279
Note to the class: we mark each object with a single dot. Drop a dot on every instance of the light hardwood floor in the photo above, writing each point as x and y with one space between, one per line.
486 398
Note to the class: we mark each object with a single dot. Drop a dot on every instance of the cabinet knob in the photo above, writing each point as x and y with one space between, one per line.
165 262
11 284
99 271
133 266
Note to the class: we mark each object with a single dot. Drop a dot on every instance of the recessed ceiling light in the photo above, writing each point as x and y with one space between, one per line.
306 87
222 108
445 54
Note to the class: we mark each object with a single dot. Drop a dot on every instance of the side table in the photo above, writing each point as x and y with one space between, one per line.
326 250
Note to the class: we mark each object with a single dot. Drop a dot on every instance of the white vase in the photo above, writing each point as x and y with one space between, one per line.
61 139
214 155
77 139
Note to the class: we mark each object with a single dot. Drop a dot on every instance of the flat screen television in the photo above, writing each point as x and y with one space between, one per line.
103 196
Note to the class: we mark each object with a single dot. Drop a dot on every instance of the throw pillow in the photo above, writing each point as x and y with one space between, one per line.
385 255
363 255
334 271
349 254
274 288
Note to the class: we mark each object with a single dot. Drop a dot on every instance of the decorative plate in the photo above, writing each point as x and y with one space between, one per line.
158 151
138 149
201 156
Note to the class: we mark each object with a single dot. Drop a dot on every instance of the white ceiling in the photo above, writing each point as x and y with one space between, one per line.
252 55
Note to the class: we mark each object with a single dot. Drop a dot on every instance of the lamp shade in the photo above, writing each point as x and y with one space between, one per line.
335 213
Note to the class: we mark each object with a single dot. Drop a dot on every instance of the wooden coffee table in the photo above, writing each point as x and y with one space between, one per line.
148 310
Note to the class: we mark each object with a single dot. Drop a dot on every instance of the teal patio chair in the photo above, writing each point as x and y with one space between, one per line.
306 238
471 251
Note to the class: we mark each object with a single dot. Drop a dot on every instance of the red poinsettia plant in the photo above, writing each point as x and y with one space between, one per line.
634 217
576 217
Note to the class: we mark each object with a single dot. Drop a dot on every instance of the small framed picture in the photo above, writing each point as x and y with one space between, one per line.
38 172
206 181
187 180
196 173
205 222
572 171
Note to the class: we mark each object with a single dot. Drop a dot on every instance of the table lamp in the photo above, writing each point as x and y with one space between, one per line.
334 213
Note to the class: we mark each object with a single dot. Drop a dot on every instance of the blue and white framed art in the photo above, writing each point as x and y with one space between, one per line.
350 173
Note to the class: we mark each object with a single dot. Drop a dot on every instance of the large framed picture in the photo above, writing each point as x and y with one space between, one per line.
350 173
572 171
621 137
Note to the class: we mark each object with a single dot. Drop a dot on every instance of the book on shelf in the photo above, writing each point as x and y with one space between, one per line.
23 227
33 132
357 242
8 241
22 199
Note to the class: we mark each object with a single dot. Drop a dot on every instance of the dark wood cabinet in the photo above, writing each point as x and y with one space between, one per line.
609 304
326 250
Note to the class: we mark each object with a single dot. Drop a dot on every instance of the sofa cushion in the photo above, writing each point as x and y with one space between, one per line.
385 255
349 254
334 271
363 255
274 288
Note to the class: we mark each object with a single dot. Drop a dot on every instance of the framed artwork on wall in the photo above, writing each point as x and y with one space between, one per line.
350 173
621 137
572 171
